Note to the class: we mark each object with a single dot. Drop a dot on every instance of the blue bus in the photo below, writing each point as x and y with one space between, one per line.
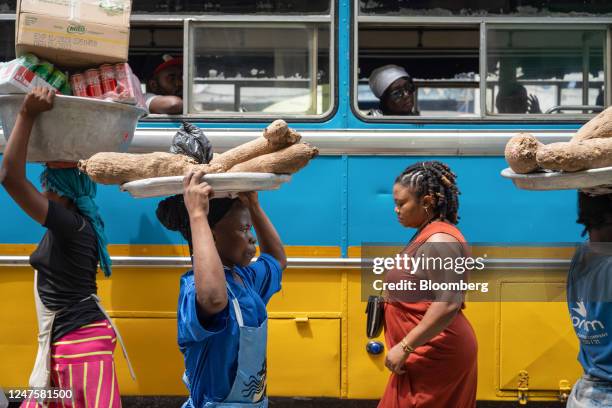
247 63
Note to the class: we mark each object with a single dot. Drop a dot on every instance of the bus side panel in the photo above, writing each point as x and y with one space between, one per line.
306 211
490 207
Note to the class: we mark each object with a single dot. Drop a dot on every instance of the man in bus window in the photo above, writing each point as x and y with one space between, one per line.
394 87
165 88
513 98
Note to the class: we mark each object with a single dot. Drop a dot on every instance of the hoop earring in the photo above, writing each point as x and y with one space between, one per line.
426 210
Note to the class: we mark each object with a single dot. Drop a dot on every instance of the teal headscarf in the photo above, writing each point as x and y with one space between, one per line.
78 187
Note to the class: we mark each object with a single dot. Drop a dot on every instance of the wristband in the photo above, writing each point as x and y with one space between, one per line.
406 347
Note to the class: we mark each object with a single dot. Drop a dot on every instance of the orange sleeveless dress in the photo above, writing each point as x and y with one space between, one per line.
443 372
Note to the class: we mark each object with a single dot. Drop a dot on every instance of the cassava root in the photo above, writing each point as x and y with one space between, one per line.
576 156
275 137
521 152
119 168
286 161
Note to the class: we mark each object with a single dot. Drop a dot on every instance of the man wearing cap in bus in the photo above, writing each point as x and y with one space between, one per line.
165 88
394 87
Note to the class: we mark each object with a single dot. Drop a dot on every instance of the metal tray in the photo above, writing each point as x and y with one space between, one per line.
223 184
579 180
76 128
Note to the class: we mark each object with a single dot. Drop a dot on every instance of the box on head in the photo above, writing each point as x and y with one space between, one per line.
74 33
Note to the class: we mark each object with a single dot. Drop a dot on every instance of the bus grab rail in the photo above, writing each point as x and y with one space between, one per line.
298 263
412 142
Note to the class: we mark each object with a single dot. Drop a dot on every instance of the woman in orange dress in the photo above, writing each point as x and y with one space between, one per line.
432 346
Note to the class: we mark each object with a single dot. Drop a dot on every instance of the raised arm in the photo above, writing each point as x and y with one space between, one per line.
269 240
209 276
14 160
166 104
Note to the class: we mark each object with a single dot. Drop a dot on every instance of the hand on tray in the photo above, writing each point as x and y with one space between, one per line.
38 101
249 199
196 194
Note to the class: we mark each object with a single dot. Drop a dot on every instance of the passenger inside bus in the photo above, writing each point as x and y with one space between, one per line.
599 101
513 98
165 88
394 88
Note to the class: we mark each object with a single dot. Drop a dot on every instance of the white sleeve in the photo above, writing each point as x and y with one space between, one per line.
148 99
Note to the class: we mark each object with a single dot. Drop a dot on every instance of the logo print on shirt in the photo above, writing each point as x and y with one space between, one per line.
581 309
582 323
255 389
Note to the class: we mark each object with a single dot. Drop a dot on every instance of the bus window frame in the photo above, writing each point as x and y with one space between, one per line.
180 20
257 21
546 27
484 23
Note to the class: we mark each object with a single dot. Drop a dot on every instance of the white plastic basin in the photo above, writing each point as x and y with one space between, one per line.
76 128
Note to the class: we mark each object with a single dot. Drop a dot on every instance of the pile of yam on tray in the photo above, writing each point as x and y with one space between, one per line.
589 148
278 150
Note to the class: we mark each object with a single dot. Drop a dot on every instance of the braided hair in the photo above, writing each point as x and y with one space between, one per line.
436 179
594 211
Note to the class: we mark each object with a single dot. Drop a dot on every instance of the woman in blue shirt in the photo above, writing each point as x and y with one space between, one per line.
222 319
589 298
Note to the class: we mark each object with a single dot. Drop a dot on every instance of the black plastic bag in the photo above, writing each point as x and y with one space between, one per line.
191 141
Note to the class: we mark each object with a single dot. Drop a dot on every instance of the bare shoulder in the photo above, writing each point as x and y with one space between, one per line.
442 237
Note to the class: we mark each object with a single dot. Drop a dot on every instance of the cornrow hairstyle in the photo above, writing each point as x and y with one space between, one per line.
594 211
436 179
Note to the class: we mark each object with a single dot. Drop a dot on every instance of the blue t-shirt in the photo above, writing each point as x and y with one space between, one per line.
589 298
210 347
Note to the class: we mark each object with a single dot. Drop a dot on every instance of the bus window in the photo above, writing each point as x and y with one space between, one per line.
442 62
259 69
8 6
544 71
7 40
149 44
479 8
232 6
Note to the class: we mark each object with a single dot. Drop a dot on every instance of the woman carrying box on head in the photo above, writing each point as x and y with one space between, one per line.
222 318
76 337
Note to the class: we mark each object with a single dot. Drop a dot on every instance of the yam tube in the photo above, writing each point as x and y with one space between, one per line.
521 153
598 127
275 137
119 168
576 156
286 161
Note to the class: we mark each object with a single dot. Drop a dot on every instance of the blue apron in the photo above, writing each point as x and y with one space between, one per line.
249 387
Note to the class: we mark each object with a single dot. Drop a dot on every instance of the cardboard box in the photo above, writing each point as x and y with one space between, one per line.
107 12
53 30
17 79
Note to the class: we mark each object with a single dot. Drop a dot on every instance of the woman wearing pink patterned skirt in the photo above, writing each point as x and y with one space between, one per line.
75 335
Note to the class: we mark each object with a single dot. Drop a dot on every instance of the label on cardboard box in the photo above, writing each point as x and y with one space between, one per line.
70 44
107 12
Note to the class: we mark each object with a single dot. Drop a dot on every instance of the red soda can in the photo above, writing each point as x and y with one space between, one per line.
107 78
122 75
92 79
78 84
